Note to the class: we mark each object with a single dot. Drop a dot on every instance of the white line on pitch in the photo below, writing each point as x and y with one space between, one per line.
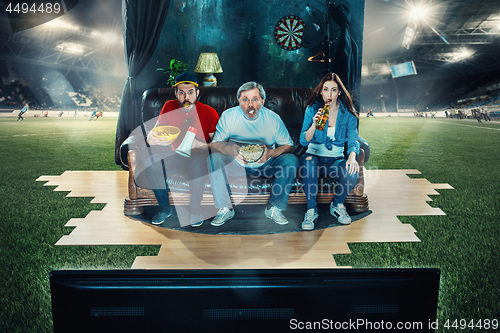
442 122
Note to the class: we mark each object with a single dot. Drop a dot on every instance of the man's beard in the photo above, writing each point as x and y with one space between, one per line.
251 110
187 106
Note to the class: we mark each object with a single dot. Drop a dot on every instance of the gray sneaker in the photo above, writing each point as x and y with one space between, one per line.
309 219
340 213
162 215
196 220
276 215
222 216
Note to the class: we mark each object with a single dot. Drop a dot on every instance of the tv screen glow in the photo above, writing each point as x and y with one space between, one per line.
403 69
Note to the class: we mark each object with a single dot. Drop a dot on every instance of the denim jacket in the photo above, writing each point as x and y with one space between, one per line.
346 129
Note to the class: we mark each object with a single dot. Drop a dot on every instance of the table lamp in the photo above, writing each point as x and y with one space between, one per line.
208 63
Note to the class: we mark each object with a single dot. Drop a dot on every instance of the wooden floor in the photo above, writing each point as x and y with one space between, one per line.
391 193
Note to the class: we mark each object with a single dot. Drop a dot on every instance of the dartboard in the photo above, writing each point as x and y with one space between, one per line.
289 31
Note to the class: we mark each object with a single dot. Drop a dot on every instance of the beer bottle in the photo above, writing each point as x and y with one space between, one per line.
325 114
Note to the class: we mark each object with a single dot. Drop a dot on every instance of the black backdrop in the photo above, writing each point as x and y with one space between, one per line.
242 34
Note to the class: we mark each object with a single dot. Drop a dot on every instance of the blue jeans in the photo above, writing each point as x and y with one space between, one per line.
161 167
283 168
312 166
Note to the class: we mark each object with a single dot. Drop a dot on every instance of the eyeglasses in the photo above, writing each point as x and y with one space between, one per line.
250 100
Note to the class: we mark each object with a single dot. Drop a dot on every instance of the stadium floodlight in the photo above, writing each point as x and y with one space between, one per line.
73 48
58 24
461 54
110 37
418 13
365 71
107 37
411 32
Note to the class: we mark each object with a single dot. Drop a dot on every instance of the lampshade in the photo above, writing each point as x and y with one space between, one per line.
208 63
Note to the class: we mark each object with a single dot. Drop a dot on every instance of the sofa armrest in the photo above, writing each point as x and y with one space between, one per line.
132 163
359 188
366 147
360 158
133 142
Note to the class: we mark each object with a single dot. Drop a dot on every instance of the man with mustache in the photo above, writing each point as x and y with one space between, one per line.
251 123
184 112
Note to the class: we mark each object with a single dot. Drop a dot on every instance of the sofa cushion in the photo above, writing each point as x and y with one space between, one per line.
255 185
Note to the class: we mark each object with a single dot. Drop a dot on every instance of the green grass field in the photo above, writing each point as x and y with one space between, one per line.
463 244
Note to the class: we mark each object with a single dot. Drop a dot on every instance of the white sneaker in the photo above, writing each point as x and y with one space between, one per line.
309 219
222 216
340 213
276 215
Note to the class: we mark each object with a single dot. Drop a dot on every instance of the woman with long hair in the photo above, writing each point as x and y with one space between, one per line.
325 148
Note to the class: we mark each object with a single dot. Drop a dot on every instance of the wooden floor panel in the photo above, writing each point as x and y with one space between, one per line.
391 193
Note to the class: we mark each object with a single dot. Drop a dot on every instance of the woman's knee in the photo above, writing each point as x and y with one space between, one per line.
308 166
309 161
347 177
353 177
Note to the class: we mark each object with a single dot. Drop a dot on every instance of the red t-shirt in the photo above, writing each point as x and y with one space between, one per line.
204 118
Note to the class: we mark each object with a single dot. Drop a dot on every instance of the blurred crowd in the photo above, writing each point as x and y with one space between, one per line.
48 89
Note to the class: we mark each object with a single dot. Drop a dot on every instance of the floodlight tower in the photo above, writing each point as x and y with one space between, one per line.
417 13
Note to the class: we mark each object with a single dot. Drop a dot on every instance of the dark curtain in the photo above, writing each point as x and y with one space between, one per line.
142 24
346 56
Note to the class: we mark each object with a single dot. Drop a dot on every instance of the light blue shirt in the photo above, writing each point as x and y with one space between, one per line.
346 129
320 149
267 129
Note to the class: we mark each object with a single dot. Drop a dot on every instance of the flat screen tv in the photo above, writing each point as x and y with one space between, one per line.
403 69
244 300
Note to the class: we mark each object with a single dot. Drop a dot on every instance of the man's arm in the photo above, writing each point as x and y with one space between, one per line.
228 148
153 140
225 148
201 144
281 150
283 140
212 118
221 135
232 149
268 153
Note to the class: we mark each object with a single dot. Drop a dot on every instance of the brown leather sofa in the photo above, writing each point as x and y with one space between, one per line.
289 103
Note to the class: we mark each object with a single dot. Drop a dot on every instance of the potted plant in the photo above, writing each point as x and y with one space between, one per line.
176 67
